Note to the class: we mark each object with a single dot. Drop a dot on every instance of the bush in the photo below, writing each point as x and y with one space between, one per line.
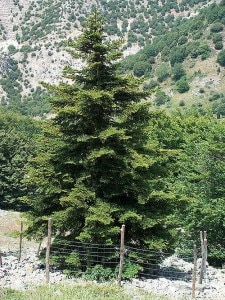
204 50
140 68
177 72
216 27
151 85
12 49
214 96
182 85
182 40
131 270
221 58
219 45
181 103
99 273
217 38
161 98
163 72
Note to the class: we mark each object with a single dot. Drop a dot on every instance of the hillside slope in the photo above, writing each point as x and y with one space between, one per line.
33 35
187 63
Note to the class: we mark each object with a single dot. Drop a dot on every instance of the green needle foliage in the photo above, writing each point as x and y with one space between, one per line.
101 162
17 135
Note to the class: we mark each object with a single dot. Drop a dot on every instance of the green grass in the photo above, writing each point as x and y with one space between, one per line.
78 292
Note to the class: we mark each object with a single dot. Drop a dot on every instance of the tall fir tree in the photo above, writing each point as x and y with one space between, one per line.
100 163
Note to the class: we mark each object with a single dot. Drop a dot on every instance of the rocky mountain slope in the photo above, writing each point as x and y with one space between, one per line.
33 35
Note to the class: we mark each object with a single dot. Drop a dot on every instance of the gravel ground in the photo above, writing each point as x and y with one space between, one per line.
30 272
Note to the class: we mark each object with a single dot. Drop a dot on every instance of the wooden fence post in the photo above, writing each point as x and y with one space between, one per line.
201 239
47 258
204 255
202 251
205 258
1 264
122 250
39 248
194 272
21 240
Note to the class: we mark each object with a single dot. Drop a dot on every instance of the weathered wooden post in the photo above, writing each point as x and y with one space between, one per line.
39 248
194 272
122 251
202 251
206 254
203 238
21 241
47 258
1 264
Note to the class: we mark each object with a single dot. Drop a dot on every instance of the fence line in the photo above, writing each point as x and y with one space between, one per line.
100 261
77 258
147 264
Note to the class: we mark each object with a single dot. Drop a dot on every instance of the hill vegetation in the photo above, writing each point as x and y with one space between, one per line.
36 42
190 55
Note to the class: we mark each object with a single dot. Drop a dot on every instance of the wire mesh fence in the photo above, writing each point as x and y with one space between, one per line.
79 258
158 264
96 261
103 262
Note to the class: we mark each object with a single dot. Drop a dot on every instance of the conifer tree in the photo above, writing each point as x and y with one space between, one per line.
17 136
99 165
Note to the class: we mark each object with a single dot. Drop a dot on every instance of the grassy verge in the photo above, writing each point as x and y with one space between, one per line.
78 292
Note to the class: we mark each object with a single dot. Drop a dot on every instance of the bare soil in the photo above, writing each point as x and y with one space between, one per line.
10 228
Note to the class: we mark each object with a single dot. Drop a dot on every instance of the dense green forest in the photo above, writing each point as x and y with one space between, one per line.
108 158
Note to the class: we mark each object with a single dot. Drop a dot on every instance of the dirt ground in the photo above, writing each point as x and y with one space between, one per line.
10 227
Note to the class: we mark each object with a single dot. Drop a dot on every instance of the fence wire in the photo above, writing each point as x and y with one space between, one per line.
78 259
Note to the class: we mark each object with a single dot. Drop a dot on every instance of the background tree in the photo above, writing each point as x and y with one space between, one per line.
200 179
16 147
182 85
141 68
101 163
161 97
163 72
177 72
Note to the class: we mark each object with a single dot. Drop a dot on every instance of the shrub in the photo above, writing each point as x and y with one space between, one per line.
139 69
181 103
177 71
99 273
217 38
221 58
219 45
12 49
182 40
182 85
163 72
216 27
161 98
